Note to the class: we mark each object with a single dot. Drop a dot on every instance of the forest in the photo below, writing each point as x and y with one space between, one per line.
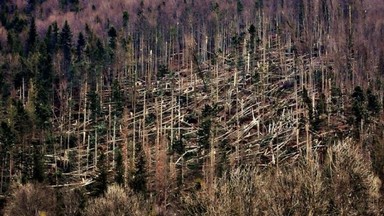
191 107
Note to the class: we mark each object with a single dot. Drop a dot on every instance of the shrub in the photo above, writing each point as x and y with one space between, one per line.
31 199
344 185
116 201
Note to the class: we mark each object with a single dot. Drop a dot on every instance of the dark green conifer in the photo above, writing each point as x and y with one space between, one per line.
119 177
101 181
138 182
32 37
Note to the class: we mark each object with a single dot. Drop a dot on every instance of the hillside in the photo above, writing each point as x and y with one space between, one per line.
174 107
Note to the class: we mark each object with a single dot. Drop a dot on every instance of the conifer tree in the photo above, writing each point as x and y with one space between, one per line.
101 181
373 104
32 37
44 80
112 34
119 177
66 46
138 182
80 46
117 99
38 173
358 108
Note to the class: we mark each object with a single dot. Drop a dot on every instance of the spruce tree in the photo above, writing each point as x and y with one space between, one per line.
80 46
66 46
112 34
32 37
358 108
119 177
373 104
117 99
44 81
38 173
101 180
138 182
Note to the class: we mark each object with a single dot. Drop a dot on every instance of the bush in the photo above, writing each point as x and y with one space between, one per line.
31 199
116 201
344 185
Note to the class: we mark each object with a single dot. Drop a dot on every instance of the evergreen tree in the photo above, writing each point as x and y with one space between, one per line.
308 103
119 177
358 109
55 39
101 181
38 173
125 19
117 99
373 105
358 100
31 5
94 105
32 37
204 132
80 46
44 81
138 183
252 39
66 46
112 34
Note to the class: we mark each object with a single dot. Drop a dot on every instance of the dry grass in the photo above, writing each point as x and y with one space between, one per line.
117 201
343 185
31 199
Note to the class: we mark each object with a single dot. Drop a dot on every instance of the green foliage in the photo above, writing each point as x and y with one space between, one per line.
80 46
162 71
204 132
178 146
14 42
240 7
373 104
252 32
223 166
321 112
101 181
125 18
358 105
308 102
66 45
117 99
94 105
38 164
7 139
32 39
112 34
138 182
44 85
119 176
